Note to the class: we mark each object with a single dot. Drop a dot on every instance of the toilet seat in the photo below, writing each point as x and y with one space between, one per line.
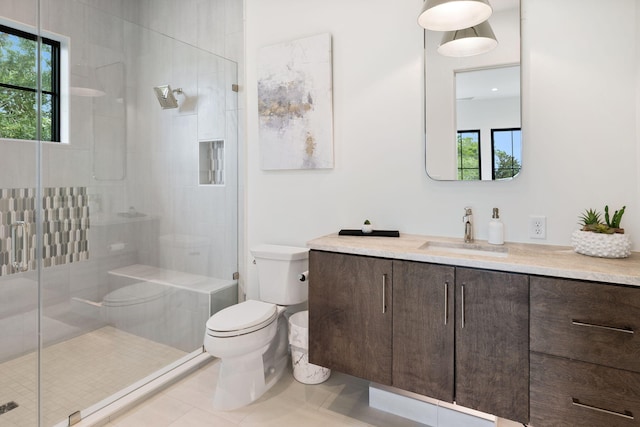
240 319
137 293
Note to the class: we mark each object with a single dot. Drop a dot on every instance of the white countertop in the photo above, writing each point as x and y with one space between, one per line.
544 260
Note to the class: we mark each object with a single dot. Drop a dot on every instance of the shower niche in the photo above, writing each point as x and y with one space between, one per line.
211 162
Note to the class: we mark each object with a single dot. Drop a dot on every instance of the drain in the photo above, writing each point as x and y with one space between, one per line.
7 407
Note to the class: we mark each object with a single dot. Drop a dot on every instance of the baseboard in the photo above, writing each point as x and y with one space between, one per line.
425 410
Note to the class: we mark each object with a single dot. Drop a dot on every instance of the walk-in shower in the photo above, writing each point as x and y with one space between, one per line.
127 251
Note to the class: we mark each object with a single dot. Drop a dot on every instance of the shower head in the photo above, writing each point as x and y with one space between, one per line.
165 96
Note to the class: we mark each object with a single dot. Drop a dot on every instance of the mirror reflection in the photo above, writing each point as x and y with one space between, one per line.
472 104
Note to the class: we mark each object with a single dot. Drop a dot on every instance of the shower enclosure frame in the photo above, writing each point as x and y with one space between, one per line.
42 158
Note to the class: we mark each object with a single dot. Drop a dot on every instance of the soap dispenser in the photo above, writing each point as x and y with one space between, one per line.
496 229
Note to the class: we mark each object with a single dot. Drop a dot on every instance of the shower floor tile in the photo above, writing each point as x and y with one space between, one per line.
78 373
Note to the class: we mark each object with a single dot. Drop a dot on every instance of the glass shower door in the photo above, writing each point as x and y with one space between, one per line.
140 207
19 178
118 217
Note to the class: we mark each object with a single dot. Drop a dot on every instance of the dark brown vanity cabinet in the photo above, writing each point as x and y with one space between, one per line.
445 332
585 360
423 328
463 334
350 314
492 342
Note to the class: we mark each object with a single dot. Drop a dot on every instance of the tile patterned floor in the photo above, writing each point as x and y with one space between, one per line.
78 373
84 370
342 401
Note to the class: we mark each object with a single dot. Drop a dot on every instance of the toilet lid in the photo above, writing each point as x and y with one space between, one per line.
242 318
135 294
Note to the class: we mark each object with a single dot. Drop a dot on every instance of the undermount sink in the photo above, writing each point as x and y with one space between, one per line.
483 249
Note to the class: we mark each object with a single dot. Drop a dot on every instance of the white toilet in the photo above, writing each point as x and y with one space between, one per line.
250 338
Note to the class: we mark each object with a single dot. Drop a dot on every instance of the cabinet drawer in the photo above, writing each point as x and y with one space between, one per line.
586 321
572 393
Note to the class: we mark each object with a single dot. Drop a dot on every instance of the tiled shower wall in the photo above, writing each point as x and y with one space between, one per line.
159 42
65 225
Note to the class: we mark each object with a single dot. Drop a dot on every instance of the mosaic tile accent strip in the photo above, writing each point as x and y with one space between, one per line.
65 225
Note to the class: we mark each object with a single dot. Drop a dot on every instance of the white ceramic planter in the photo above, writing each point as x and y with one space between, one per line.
601 245
367 228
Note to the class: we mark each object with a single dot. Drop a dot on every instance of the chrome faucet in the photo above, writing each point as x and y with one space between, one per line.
468 225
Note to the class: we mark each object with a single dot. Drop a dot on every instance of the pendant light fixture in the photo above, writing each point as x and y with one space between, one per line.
449 15
469 41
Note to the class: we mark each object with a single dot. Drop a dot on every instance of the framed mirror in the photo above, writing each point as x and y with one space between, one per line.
473 105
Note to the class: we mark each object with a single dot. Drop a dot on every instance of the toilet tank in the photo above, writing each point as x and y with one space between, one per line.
278 270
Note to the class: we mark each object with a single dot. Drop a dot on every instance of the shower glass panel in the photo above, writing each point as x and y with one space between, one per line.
135 253
19 176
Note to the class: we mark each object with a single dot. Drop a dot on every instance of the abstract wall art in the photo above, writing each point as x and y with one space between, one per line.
295 104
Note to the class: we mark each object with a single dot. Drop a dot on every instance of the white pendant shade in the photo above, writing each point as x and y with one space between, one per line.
469 41
449 15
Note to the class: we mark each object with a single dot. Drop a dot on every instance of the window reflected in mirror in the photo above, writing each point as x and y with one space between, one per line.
489 100
506 147
469 165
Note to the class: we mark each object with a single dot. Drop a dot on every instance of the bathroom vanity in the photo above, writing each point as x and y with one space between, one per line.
532 333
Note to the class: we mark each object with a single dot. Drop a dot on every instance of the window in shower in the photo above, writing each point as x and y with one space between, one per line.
19 86
211 163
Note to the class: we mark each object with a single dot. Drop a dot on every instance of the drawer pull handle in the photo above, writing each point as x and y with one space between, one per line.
384 293
608 328
626 414
446 302
462 306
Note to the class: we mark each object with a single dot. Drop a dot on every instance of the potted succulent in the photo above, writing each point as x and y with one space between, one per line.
367 227
601 239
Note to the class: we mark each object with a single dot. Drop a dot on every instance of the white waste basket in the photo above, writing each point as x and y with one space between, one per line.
303 371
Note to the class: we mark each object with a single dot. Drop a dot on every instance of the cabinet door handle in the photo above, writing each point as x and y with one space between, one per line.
462 306
608 328
23 264
446 302
626 414
384 293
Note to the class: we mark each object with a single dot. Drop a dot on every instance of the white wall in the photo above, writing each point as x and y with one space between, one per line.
579 125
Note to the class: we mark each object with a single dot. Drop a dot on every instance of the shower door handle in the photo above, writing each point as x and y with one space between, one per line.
20 228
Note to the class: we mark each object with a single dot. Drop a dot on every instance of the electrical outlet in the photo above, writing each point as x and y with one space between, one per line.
537 227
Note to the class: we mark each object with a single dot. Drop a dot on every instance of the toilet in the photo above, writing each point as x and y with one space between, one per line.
250 338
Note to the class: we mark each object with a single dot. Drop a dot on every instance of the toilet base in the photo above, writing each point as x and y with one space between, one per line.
244 379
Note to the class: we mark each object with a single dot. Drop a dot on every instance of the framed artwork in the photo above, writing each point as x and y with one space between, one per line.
295 104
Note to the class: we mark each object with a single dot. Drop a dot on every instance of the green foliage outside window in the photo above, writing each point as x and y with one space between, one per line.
468 156
507 152
507 166
18 88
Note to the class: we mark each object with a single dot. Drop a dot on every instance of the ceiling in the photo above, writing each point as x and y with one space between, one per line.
491 83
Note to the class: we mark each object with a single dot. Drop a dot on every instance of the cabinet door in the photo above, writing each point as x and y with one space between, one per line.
350 314
423 328
492 342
